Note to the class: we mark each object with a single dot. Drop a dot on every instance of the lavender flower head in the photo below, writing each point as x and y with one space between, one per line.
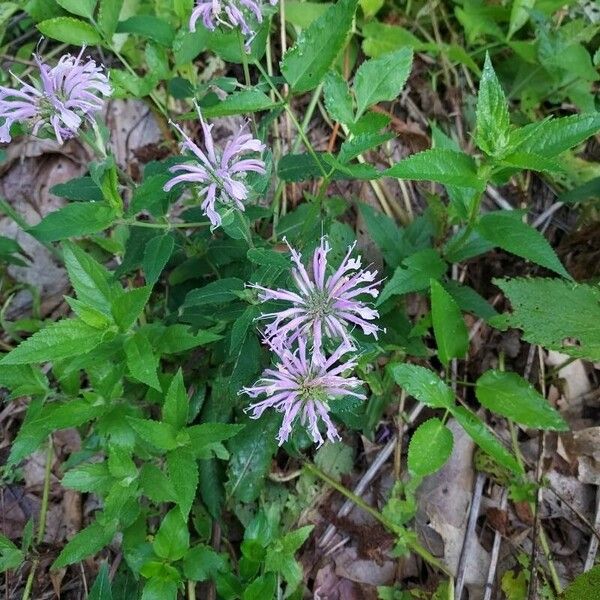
322 305
230 13
301 387
221 175
69 93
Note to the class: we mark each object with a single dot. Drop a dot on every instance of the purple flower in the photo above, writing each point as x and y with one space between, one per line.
230 13
322 305
221 174
302 387
69 93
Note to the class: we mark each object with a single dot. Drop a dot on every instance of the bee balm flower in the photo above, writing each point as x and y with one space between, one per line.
301 388
220 175
322 305
69 93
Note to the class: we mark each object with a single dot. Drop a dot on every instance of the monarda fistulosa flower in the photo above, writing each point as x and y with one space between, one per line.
219 175
301 388
322 305
67 94
230 14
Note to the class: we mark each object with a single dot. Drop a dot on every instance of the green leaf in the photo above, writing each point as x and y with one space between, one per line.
251 453
351 148
532 162
155 484
239 103
23 380
414 274
161 435
90 477
175 408
108 16
81 8
205 436
86 543
73 220
183 472
336 95
511 396
423 384
89 279
519 15
150 27
269 258
469 300
508 232
63 339
444 166
555 136
159 589
584 587
450 331
480 434
280 556
128 305
306 63
572 330
81 189
222 290
173 538
142 363
10 556
302 14
335 459
202 563
241 328
101 590
381 38
178 338
429 448
385 233
381 79
70 31
261 588
156 256
493 121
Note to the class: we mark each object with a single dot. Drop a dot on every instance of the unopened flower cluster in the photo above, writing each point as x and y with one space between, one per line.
321 312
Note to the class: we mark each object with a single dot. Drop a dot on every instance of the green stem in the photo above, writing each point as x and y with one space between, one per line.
412 544
29 582
45 493
162 225
191 590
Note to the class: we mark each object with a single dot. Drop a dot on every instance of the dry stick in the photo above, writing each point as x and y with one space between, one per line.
547 214
382 457
471 524
593 547
489 584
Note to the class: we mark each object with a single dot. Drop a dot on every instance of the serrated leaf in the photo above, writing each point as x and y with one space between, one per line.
555 136
63 339
414 274
156 485
73 220
173 538
86 543
335 459
511 396
91 477
429 448
128 305
240 103
81 8
101 590
450 331
493 120
479 433
108 16
159 589
206 436
201 563
150 27
519 15
156 256
70 31
183 471
240 329
572 330
354 146
306 63
469 300
444 166
270 258
142 363
90 280
338 100
23 380
381 79
423 384
508 232
222 290
175 408
82 189
10 556
161 435
262 587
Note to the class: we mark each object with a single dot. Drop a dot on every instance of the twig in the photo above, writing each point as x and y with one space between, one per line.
489 584
472 522
547 214
498 198
366 479
593 547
